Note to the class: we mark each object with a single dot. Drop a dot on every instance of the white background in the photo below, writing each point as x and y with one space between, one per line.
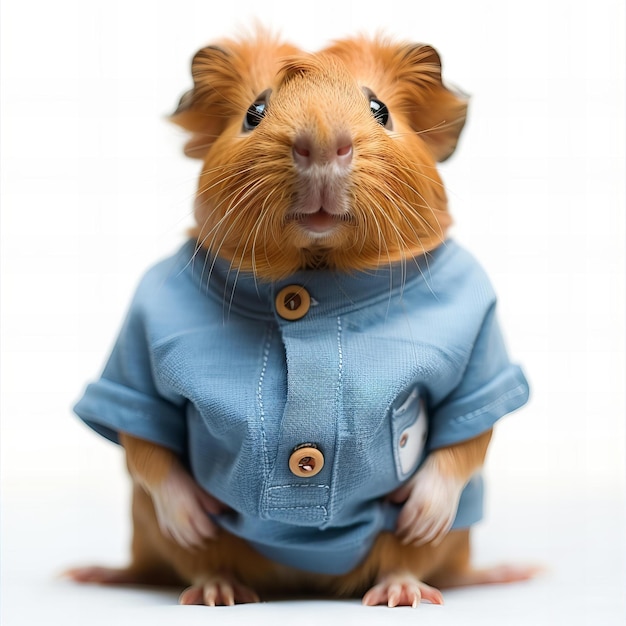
95 189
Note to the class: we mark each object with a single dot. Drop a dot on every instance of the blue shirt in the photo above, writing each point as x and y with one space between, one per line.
383 367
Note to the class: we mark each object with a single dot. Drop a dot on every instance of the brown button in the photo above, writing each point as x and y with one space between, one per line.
293 302
306 460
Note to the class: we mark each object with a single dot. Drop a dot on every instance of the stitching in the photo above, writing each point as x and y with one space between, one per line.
509 395
338 410
340 351
266 353
299 487
298 508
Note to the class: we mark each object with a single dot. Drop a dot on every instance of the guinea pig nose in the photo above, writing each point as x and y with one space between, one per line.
306 152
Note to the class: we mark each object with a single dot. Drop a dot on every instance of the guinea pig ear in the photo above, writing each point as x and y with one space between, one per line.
204 110
434 111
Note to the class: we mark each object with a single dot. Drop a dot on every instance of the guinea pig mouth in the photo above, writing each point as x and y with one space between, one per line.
319 222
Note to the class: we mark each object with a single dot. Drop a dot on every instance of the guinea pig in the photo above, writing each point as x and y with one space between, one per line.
307 389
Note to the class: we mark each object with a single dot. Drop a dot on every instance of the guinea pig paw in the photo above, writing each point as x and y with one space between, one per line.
218 591
104 575
430 509
401 590
182 508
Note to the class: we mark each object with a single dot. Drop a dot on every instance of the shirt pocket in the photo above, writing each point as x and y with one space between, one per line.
409 428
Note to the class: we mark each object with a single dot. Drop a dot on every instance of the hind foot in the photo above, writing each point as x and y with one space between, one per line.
509 573
499 574
104 575
218 591
139 576
401 590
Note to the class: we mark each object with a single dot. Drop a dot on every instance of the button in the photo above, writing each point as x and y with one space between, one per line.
293 302
306 460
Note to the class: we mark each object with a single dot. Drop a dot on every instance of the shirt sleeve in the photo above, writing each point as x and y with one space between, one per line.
490 388
127 397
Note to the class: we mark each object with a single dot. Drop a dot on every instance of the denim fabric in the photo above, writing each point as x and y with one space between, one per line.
385 366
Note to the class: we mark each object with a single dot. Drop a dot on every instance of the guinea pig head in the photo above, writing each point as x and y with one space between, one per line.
325 160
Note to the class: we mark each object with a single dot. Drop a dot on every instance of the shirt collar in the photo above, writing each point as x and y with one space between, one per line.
331 292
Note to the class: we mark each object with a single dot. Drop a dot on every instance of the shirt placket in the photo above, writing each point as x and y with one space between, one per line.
299 486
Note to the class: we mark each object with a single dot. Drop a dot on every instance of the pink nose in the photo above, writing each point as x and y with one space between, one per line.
306 152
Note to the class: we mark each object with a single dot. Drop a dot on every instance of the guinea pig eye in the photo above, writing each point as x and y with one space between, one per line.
254 115
379 111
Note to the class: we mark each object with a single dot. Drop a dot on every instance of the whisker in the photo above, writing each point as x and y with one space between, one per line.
417 172
426 206
384 242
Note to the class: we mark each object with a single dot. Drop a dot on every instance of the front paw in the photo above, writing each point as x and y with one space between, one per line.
182 509
218 590
430 505
401 589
